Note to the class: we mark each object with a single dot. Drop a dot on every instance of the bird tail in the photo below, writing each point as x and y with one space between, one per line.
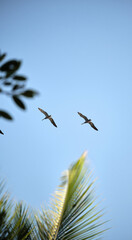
83 123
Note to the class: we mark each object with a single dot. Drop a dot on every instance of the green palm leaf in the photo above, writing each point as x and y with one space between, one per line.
5 208
73 213
15 223
21 224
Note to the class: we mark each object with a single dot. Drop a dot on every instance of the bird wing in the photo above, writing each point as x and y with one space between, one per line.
1 132
45 113
53 122
93 126
81 115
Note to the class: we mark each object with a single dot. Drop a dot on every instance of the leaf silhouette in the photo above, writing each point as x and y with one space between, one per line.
2 56
16 83
10 67
19 102
29 93
16 87
19 78
5 115
7 83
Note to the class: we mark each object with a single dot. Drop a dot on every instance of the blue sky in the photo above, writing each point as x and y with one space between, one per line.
78 55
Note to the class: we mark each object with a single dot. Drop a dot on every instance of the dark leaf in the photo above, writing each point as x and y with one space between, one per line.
7 83
10 66
2 56
0 90
1 77
29 93
5 115
19 78
19 102
16 87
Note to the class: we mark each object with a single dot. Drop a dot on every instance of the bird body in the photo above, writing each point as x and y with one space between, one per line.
47 116
87 121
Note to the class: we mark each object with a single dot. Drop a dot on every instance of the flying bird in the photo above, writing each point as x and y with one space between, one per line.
1 132
87 121
47 116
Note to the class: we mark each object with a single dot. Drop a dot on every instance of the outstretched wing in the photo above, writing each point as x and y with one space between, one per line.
53 122
81 115
1 132
45 113
93 126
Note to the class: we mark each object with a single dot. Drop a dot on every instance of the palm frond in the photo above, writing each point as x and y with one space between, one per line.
5 209
73 213
21 223
15 223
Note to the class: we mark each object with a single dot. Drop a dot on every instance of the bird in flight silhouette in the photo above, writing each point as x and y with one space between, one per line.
87 121
1 132
47 116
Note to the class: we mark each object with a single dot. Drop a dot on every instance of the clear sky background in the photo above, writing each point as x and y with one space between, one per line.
78 55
